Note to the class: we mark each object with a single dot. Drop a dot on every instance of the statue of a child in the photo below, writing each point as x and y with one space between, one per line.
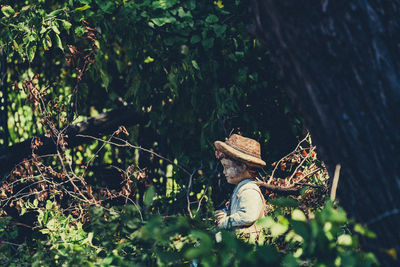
240 157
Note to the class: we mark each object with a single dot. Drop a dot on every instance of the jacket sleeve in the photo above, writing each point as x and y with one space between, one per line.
250 206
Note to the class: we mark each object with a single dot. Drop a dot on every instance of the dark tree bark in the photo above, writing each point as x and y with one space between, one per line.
3 99
340 62
97 126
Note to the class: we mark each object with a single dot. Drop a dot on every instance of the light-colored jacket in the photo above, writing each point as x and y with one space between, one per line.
245 207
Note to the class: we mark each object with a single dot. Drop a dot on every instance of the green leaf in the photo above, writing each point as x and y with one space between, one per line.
45 217
7 11
66 24
195 65
55 29
31 52
106 6
191 4
148 197
43 30
49 205
301 228
298 215
164 4
107 261
290 261
347 259
23 211
345 240
35 203
83 8
265 222
212 19
364 231
47 42
54 13
284 202
268 253
329 213
148 59
183 14
208 43
79 31
195 39
219 29
162 21
278 229
204 245
59 43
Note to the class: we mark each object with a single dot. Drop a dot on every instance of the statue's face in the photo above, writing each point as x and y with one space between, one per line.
234 172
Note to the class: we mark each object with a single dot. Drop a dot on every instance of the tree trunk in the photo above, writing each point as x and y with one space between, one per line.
340 62
3 99
97 126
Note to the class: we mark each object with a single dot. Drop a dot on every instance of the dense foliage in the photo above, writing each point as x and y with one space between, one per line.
196 74
119 237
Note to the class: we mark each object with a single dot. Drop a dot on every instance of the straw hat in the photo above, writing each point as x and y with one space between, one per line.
242 149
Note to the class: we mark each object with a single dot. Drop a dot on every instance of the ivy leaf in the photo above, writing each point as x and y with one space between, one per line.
208 43
183 14
7 11
212 19
219 29
162 21
164 4
106 6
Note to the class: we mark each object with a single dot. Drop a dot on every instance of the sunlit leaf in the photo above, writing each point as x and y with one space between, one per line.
59 43
7 11
298 215
149 196
345 240
83 8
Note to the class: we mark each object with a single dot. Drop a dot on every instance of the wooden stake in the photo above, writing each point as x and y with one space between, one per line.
335 182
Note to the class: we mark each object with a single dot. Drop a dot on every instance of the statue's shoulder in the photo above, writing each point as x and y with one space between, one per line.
250 185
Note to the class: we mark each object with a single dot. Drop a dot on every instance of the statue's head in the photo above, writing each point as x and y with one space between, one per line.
240 157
